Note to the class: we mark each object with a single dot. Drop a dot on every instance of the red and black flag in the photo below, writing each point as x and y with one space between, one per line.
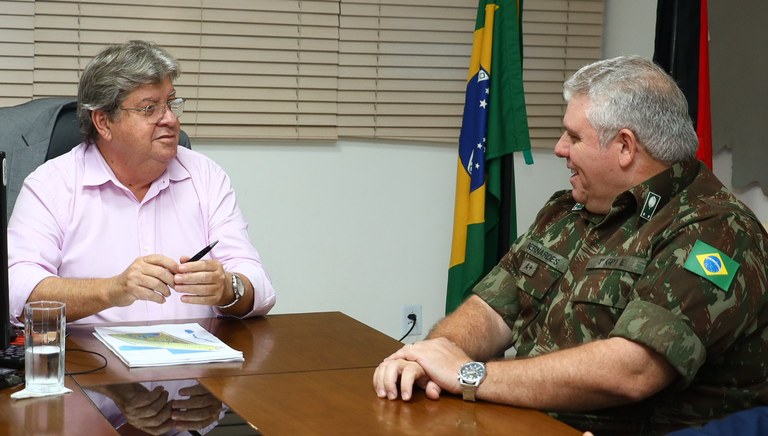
682 49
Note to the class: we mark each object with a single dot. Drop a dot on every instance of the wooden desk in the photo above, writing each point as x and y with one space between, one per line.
71 414
343 402
303 374
272 344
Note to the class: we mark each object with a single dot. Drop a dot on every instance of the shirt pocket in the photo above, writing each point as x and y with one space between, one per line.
536 278
535 285
539 267
608 280
608 288
600 297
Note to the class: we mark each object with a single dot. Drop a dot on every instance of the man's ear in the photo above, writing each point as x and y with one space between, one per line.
629 147
101 122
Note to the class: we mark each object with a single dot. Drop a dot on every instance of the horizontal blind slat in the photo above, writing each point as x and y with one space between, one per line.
304 68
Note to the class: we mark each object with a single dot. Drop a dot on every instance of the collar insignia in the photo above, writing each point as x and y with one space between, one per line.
652 201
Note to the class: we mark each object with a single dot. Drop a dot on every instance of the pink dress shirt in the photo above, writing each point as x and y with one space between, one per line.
74 219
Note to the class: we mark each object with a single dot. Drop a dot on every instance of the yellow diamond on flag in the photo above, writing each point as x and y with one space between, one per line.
712 264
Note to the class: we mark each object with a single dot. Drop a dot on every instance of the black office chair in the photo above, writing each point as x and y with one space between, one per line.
23 136
66 132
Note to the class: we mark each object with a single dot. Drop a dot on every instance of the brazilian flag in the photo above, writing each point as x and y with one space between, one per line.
712 264
494 125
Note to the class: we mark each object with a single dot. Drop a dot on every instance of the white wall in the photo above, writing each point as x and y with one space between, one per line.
629 29
357 227
365 228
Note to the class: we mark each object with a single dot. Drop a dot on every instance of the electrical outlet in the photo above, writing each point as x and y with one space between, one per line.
406 323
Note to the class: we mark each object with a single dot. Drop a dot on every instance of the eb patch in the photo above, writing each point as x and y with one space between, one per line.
649 208
712 264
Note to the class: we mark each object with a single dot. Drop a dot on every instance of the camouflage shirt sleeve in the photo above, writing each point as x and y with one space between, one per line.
499 288
683 315
640 272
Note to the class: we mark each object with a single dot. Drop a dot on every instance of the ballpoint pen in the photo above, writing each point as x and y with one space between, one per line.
203 252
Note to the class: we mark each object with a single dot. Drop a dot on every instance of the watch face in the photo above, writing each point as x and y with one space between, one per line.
472 371
238 285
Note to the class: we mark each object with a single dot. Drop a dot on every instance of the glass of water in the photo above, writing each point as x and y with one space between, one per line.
45 330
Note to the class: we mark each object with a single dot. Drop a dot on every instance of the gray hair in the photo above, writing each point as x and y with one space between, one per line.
114 73
634 93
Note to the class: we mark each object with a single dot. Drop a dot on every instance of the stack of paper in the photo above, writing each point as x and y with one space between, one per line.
166 344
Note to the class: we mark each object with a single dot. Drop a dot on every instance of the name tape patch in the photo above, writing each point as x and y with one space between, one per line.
631 264
546 255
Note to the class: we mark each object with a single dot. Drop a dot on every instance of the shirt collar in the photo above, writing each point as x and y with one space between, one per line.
650 196
653 194
97 172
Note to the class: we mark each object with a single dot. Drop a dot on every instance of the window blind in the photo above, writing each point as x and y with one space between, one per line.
559 37
403 67
303 69
17 51
250 68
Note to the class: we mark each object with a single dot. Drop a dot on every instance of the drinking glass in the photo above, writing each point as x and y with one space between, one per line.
44 329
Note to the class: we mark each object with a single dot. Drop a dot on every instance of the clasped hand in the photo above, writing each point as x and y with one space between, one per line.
432 365
152 277
152 412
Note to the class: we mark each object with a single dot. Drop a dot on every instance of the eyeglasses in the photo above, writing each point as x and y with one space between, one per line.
154 112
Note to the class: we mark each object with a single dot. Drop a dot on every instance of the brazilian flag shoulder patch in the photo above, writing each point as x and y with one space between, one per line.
712 264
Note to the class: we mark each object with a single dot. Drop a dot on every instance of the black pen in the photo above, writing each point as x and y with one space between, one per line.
202 252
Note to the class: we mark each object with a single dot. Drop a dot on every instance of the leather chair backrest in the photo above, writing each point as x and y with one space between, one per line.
66 132
38 130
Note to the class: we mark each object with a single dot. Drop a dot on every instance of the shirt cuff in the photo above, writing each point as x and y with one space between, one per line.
22 281
498 290
665 333
263 292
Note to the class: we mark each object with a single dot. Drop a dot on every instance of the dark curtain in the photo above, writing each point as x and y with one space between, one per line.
738 65
676 47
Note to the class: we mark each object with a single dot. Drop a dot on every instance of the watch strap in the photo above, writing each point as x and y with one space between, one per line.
468 392
469 386
237 290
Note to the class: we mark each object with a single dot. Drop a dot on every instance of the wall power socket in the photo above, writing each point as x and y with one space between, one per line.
406 322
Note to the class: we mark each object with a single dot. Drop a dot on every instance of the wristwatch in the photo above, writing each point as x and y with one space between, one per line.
470 376
238 288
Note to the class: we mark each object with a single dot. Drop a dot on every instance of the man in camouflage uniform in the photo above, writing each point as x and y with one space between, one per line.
636 301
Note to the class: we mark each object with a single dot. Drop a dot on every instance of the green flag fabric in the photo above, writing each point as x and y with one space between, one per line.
494 125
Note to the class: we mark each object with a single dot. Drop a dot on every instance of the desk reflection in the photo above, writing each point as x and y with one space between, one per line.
170 407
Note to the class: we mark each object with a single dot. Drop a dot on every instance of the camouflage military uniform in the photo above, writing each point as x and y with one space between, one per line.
574 277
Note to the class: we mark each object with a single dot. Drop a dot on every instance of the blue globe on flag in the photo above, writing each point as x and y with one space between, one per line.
713 264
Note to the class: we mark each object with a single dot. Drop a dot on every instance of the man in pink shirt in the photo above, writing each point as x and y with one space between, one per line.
109 227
